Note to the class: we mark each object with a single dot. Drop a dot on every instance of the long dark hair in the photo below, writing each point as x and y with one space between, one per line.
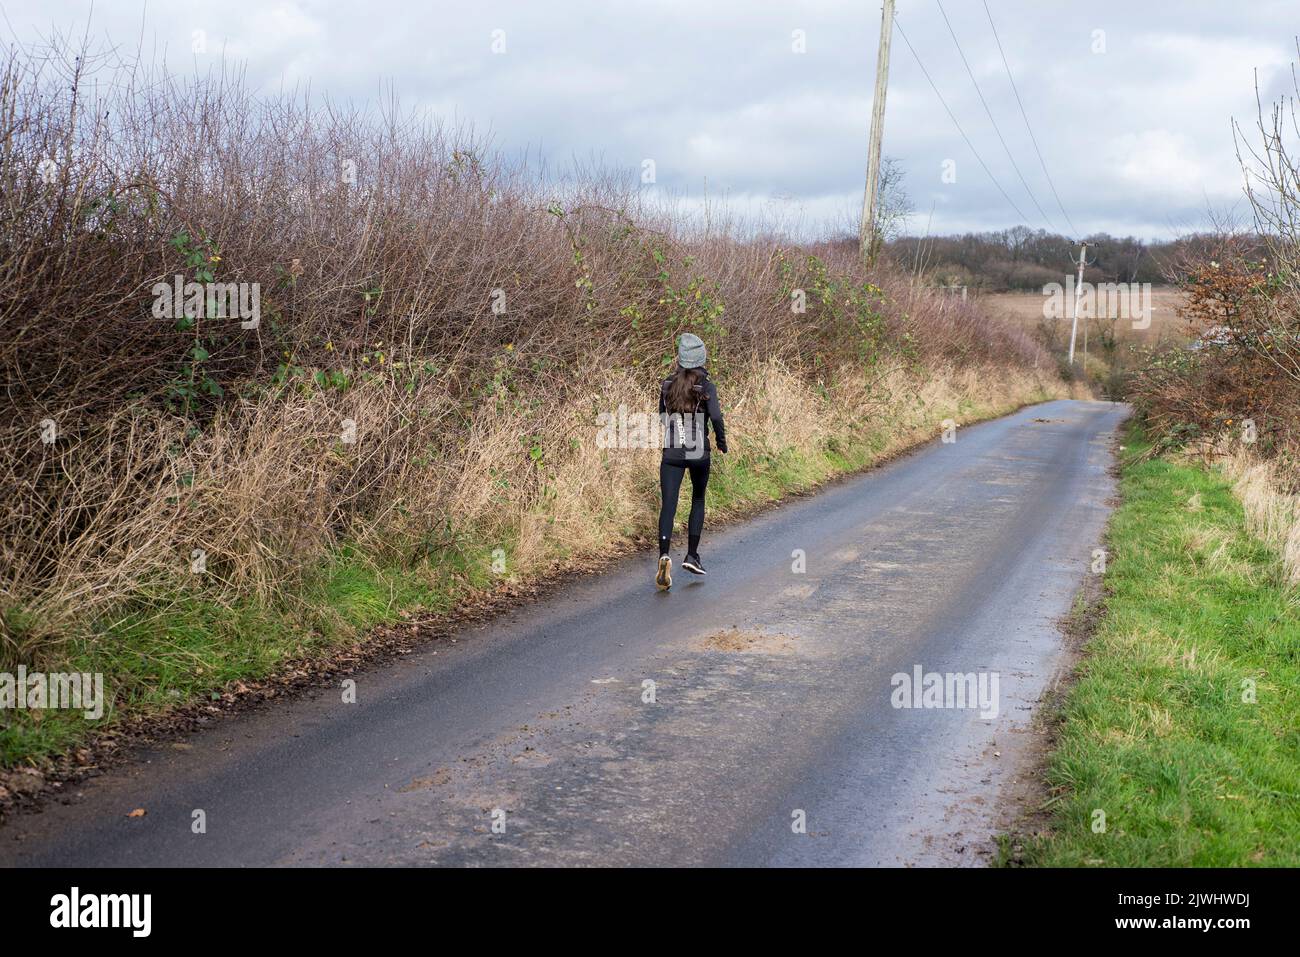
682 395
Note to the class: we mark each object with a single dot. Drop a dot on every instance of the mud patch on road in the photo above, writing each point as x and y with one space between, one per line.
800 592
437 779
755 642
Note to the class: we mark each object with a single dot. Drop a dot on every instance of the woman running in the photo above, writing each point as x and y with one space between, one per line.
688 402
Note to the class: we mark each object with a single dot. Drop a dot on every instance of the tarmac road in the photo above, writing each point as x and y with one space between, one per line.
773 697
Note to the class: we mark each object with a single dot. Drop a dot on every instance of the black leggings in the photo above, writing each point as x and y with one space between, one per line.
670 484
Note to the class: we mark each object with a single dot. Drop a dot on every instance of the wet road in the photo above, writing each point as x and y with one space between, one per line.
745 719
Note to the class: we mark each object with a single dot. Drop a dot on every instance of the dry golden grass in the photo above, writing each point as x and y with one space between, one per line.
1271 514
271 487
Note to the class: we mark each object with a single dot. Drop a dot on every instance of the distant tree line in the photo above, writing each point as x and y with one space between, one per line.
1023 258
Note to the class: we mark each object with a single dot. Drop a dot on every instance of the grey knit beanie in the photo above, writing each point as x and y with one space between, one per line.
691 353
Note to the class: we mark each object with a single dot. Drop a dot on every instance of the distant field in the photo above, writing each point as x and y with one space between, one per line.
1026 308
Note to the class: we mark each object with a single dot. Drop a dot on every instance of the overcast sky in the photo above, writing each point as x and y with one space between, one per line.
1130 100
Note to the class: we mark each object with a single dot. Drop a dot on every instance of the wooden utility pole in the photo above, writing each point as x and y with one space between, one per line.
1078 292
867 231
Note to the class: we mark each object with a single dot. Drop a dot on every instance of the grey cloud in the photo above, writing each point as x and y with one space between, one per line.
1138 138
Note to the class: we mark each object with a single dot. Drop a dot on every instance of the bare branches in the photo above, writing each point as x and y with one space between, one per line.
456 306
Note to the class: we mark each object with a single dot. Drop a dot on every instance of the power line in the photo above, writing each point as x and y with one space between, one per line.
1001 139
1033 139
1011 202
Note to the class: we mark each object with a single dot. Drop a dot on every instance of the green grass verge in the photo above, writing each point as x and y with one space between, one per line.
172 648
1184 726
